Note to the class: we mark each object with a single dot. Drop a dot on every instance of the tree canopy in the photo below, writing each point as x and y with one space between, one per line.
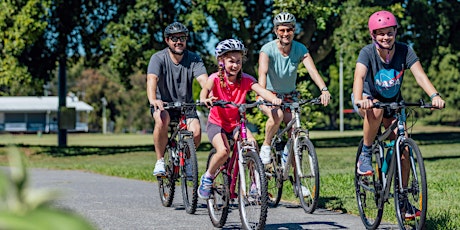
120 36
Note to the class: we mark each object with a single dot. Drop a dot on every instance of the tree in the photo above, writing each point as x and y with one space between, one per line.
21 25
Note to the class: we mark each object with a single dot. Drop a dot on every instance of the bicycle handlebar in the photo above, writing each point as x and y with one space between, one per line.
241 107
401 104
174 105
314 101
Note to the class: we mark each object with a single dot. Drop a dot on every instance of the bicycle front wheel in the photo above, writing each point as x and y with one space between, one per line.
274 173
219 201
307 176
252 193
189 177
411 201
166 183
368 190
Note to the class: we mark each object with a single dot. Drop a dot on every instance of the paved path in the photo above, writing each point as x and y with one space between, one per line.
113 203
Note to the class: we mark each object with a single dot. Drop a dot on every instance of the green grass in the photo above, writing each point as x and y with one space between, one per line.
440 151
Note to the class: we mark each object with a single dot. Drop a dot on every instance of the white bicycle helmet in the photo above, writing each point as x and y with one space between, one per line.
174 28
284 18
229 45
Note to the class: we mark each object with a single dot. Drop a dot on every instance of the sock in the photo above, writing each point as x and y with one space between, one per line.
209 175
366 150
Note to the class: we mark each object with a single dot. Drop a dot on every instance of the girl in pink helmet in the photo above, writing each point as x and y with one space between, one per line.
378 76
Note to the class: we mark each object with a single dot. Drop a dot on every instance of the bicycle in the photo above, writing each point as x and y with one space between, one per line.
373 191
301 155
180 151
245 168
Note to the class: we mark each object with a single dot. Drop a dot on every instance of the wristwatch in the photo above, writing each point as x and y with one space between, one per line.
324 88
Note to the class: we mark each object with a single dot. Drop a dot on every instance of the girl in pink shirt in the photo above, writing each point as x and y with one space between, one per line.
229 83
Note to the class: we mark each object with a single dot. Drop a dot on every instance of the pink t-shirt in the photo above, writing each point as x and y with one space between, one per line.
228 118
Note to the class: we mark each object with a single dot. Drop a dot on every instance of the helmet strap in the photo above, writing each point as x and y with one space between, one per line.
379 47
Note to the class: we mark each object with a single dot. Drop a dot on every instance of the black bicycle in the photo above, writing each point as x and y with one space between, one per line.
180 161
409 186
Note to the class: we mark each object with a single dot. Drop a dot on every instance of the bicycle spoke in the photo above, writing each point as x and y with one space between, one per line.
218 203
367 196
307 177
252 195
411 201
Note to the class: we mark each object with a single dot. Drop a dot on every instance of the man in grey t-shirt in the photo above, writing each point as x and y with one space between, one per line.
170 76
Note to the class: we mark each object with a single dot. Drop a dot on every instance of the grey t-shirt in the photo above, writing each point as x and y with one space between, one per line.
383 81
175 81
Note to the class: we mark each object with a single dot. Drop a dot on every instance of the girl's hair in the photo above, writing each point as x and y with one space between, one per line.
221 72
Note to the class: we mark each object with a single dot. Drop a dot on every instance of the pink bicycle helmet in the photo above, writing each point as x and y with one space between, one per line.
381 19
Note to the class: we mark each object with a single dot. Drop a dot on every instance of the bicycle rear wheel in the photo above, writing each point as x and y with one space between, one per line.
274 173
307 176
219 201
166 183
189 183
252 193
368 196
411 203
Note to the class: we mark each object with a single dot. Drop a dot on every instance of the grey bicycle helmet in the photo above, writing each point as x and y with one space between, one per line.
229 45
284 18
174 28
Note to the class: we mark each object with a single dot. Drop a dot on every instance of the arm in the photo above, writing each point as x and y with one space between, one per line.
265 94
202 80
205 90
311 68
358 85
263 69
425 83
152 81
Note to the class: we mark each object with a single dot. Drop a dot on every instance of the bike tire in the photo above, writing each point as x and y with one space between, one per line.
309 169
368 196
252 206
275 180
189 185
219 202
166 184
416 193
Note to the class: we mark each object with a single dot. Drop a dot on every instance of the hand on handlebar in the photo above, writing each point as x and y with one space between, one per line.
366 103
325 97
208 101
157 104
438 102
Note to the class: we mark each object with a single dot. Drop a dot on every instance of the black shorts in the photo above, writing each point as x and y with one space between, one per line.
212 130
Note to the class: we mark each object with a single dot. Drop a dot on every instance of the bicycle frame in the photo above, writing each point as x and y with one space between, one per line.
400 124
239 147
295 128
179 129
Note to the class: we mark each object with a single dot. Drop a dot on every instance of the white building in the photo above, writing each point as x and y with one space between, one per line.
34 114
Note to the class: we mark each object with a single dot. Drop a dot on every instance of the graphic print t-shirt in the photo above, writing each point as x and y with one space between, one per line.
228 118
383 81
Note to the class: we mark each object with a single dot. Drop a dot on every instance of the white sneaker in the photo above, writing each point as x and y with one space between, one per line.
159 169
265 154
305 191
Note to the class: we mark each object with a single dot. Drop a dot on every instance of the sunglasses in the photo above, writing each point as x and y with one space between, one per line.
177 38
290 30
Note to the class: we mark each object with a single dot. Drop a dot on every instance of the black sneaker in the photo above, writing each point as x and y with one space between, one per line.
411 211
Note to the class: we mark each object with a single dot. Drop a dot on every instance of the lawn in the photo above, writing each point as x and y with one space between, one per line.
132 156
